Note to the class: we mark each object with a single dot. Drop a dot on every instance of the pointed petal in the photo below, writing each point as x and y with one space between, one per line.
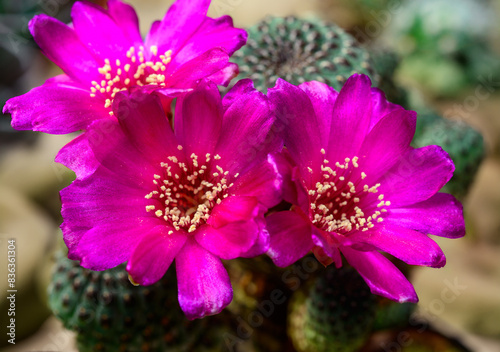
99 32
229 241
262 182
323 99
440 215
154 254
245 136
410 246
204 286
290 237
77 156
417 176
126 18
67 52
234 208
381 106
55 108
188 74
225 75
352 114
387 142
198 119
296 120
381 275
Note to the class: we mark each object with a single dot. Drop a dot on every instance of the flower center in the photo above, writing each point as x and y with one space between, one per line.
137 71
341 201
186 193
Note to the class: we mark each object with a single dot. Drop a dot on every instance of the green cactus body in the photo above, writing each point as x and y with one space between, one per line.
464 145
336 314
300 50
110 314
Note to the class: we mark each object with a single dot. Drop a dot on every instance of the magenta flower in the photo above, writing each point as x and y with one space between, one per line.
196 194
102 53
357 187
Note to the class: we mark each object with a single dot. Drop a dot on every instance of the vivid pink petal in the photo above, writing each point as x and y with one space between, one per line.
262 182
352 114
381 106
329 243
241 88
77 156
297 121
290 237
225 75
440 215
125 17
387 142
381 275
99 32
154 254
418 175
189 73
235 208
412 247
262 242
67 52
323 99
178 25
285 166
145 125
198 119
212 33
229 241
204 285
54 108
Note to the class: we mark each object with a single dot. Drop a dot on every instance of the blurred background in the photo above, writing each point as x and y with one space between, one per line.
444 56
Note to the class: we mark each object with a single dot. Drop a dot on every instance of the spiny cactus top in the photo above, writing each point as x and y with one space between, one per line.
196 193
300 50
102 53
357 186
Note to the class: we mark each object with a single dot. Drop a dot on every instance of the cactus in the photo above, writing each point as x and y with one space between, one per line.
301 50
110 314
336 314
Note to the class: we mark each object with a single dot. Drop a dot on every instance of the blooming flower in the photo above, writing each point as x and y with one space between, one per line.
357 186
102 53
197 193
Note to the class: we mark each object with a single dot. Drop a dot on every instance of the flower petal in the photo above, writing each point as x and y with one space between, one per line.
126 18
67 52
154 254
290 237
323 100
298 122
208 63
410 246
77 156
381 275
246 130
352 114
54 108
261 244
262 182
387 142
99 32
212 33
381 106
204 285
198 119
225 75
178 25
417 176
440 215
234 208
229 241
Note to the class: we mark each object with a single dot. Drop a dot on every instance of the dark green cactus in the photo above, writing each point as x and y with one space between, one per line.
464 145
110 314
300 50
336 314
392 315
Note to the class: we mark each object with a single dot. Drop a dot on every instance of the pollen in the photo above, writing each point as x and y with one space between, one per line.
184 194
140 69
339 199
